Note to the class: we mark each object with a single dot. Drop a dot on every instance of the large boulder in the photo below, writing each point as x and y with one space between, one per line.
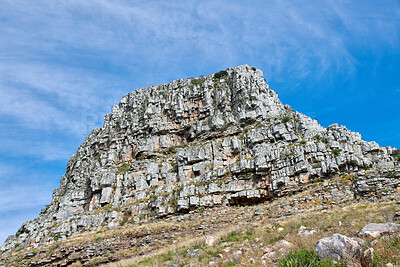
339 247
376 230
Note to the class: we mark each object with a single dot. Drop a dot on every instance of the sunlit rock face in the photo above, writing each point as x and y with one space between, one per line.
221 139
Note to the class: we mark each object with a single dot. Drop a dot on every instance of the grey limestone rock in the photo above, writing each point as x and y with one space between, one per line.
339 247
375 230
221 139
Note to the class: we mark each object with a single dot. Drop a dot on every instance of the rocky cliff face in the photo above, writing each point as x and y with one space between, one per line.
223 139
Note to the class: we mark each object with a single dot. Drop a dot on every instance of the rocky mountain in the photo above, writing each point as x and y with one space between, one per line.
218 140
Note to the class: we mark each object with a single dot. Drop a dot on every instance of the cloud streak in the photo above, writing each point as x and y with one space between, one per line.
48 98
29 196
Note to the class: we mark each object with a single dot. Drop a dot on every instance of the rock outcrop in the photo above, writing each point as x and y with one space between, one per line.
339 247
375 230
221 139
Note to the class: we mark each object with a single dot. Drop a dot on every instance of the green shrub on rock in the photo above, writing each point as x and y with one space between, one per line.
197 81
286 119
336 152
220 74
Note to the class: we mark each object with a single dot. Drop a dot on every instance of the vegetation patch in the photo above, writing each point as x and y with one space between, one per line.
286 119
220 74
396 154
318 138
57 236
336 152
302 142
307 258
123 221
174 165
197 81
316 165
124 168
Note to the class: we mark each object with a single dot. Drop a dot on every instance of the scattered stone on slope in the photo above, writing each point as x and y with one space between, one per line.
375 230
211 240
283 244
303 231
339 247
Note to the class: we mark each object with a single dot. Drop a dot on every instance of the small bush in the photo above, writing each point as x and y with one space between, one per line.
201 208
276 239
197 81
57 236
123 221
220 74
95 261
247 235
124 168
259 125
307 258
108 207
336 152
128 212
231 237
286 119
174 166
173 149
396 152
396 155
164 94
168 256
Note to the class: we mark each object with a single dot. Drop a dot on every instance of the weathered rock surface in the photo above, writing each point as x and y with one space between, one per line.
221 139
339 247
304 232
211 240
375 230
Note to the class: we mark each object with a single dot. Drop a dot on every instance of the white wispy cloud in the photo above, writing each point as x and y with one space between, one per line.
41 149
5 170
50 98
17 197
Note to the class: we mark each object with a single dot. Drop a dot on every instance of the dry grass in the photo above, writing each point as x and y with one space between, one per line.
254 237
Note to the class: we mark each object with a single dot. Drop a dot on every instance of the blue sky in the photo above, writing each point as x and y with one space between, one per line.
63 64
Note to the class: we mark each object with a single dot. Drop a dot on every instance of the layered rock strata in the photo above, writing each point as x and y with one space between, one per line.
221 139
